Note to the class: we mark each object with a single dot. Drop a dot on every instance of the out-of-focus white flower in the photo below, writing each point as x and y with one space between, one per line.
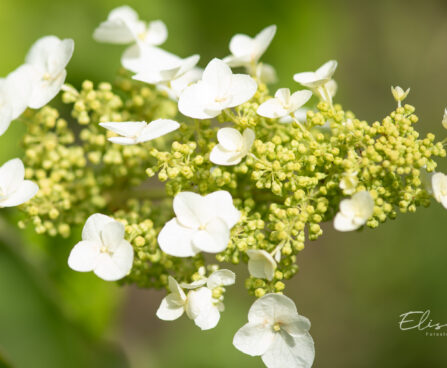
218 89
199 304
14 189
318 78
123 26
399 94
103 249
246 51
261 264
233 146
175 87
439 188
202 223
133 132
354 212
49 57
283 103
15 91
266 73
444 119
348 182
276 332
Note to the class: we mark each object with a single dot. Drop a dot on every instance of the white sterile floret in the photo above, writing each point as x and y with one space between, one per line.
349 182
318 78
233 146
246 51
49 57
276 332
103 249
399 94
123 26
354 212
15 91
14 189
283 103
133 132
261 264
202 223
175 87
199 304
218 89
439 188
444 119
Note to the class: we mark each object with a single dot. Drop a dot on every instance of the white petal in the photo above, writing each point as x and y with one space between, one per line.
12 174
126 129
222 204
261 264
272 109
157 33
218 75
438 185
198 301
310 79
214 238
243 87
297 326
6 117
194 285
112 234
192 210
84 256
116 29
283 95
208 319
285 351
157 128
193 101
220 156
176 240
263 40
327 70
221 278
248 139
179 296
236 61
266 73
299 98
94 226
272 308
45 90
254 339
241 45
117 266
230 139
23 193
344 223
168 311
364 204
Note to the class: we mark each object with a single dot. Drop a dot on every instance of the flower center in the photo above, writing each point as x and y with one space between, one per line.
106 250
220 99
47 77
277 327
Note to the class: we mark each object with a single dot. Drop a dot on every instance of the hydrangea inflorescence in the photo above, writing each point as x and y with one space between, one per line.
240 175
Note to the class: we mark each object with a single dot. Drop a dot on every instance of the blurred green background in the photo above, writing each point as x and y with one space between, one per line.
353 286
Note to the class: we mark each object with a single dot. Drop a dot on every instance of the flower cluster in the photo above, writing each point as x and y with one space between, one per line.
243 175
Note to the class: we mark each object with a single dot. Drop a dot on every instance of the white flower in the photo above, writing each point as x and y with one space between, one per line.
439 188
247 51
399 94
328 92
354 212
202 223
123 27
283 103
199 304
233 146
261 264
318 78
175 87
14 189
349 182
49 56
133 132
219 89
444 119
15 91
276 332
266 73
103 249
299 115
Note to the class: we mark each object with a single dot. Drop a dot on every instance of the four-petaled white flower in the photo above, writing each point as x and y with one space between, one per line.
348 182
354 212
399 94
283 103
261 264
439 188
49 57
103 249
14 189
246 51
318 78
276 332
123 26
233 146
133 132
199 304
202 223
15 91
444 119
218 89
